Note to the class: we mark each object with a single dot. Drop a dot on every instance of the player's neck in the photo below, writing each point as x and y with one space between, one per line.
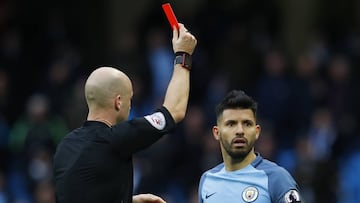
236 164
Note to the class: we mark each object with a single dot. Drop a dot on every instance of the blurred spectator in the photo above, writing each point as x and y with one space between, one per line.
10 46
211 149
19 190
40 166
273 95
306 88
3 193
217 86
4 90
343 95
38 128
44 192
4 141
195 135
4 125
160 58
75 107
266 144
304 167
141 103
326 182
349 178
60 76
343 100
32 141
322 134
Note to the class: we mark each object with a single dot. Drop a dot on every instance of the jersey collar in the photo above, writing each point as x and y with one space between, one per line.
257 160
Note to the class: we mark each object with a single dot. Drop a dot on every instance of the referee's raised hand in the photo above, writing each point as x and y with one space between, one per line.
183 40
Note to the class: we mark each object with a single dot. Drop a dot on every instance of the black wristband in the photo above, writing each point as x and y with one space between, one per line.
184 59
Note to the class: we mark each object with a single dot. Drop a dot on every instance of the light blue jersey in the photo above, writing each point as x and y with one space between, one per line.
262 181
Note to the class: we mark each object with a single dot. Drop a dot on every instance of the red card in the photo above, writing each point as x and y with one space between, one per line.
170 15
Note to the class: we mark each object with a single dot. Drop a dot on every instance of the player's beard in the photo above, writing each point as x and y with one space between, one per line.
238 153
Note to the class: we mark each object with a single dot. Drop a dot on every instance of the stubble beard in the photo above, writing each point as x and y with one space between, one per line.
238 153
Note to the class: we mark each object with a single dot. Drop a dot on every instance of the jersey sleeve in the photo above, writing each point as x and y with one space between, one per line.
136 134
282 186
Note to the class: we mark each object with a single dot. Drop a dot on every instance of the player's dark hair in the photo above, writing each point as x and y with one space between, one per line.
236 99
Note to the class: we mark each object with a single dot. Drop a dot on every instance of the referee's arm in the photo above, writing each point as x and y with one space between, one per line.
177 94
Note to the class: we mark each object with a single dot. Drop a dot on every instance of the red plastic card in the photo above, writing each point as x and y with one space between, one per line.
170 15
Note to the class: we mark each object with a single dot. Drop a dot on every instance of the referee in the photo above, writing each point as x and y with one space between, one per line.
93 163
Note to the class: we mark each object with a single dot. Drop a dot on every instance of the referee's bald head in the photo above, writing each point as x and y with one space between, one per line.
103 85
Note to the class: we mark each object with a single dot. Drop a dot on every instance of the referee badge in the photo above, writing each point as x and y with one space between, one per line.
157 120
292 196
250 194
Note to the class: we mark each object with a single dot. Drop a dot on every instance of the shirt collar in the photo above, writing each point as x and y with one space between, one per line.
257 160
94 123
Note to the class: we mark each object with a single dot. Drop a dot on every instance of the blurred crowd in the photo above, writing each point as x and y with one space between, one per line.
308 98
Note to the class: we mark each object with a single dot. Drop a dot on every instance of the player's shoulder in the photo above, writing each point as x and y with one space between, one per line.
210 172
282 185
213 170
271 168
275 173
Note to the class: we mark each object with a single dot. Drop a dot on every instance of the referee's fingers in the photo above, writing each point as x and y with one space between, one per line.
175 34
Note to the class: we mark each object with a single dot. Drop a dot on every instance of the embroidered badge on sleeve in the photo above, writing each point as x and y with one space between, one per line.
292 196
157 120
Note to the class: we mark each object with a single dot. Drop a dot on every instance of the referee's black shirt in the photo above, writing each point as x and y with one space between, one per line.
93 164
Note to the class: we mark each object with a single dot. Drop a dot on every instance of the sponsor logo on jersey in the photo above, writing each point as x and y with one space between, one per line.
250 194
157 120
292 196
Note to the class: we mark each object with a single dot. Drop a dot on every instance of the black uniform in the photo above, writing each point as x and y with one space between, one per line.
94 162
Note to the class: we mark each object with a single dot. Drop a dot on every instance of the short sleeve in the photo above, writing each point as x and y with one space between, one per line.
131 136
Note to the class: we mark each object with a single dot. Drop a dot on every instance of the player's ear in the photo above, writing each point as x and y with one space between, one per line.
216 133
117 103
258 130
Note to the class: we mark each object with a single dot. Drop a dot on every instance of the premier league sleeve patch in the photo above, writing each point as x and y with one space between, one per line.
292 196
157 120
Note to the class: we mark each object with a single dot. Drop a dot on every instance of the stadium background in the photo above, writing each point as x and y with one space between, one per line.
298 59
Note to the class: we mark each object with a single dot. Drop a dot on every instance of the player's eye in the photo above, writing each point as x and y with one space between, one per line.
248 123
230 123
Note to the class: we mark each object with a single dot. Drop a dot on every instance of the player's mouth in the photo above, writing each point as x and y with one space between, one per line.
239 142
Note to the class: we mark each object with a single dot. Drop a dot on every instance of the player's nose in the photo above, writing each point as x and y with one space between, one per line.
239 129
